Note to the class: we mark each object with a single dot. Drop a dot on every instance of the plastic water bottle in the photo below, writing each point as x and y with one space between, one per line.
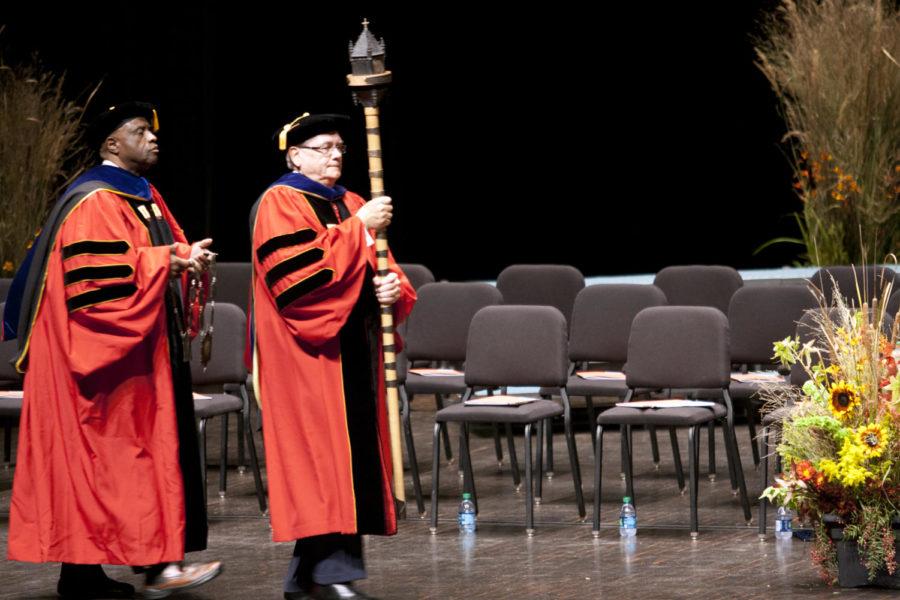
627 519
783 529
466 516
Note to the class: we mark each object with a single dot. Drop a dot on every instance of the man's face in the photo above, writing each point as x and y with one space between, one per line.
320 158
136 145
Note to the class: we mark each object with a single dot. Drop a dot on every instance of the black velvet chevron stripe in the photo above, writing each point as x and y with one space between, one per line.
105 294
95 247
278 242
97 273
294 263
316 280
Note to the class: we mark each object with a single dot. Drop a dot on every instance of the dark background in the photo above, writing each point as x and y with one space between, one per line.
618 139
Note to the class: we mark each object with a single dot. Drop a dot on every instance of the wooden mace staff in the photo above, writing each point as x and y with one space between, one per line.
368 82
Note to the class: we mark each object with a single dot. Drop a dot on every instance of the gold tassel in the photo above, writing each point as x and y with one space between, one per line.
155 121
282 136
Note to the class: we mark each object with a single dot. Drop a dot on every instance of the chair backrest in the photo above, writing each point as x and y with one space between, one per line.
233 283
699 285
417 274
5 282
678 347
601 320
541 285
760 315
893 306
517 345
227 360
438 325
8 351
869 280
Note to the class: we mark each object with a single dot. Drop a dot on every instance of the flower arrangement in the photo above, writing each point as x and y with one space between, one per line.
834 66
840 441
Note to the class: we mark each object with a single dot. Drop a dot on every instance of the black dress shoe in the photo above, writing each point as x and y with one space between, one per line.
86 583
339 591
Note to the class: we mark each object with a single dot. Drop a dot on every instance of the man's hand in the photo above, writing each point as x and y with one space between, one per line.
376 214
387 289
177 265
200 256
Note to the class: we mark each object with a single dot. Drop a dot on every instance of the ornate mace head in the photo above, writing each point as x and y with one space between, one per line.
368 78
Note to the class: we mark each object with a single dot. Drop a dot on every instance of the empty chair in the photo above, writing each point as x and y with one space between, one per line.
233 283
675 347
758 316
601 324
10 408
512 346
417 274
436 331
224 386
699 285
5 282
543 285
853 283
893 306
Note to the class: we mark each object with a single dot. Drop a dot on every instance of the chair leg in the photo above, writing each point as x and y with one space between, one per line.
435 476
573 458
201 432
764 480
676 456
694 447
223 457
592 419
242 457
598 478
251 448
539 461
732 475
529 490
549 435
751 427
711 428
629 466
468 473
411 451
513 460
734 458
623 439
654 446
498 445
448 450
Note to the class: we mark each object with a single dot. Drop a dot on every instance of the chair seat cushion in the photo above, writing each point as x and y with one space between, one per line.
747 390
523 413
676 417
578 386
420 384
216 404
10 407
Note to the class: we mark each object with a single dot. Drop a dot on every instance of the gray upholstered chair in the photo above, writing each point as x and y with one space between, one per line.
675 347
417 274
893 306
758 316
224 385
512 346
699 285
853 283
233 283
436 331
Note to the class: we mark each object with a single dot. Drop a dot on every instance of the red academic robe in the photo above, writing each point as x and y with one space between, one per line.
321 388
98 477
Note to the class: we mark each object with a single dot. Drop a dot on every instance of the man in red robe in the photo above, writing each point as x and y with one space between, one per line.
317 361
108 464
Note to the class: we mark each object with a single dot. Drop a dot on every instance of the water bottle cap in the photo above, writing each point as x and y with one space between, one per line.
467 496
626 500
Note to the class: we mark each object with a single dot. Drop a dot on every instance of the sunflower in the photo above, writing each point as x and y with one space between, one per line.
843 397
873 439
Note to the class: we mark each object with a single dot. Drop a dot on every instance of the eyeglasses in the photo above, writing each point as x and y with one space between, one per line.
327 149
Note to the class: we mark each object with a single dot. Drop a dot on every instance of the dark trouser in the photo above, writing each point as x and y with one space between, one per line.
325 559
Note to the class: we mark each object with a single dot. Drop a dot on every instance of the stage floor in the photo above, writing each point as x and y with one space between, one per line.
562 560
